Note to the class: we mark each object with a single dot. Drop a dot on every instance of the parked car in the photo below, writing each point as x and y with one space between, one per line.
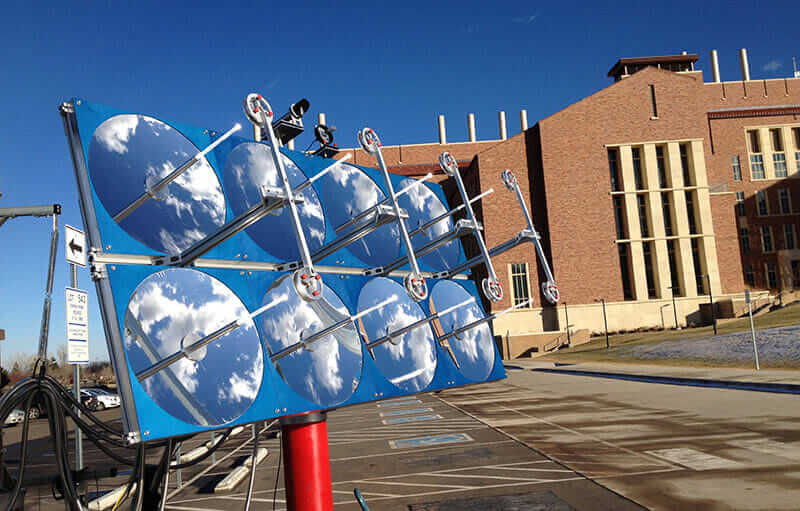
99 399
15 417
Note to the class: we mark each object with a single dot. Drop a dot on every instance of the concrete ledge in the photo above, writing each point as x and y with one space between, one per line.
779 388
238 474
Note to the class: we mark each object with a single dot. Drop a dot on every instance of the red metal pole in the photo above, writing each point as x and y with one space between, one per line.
306 463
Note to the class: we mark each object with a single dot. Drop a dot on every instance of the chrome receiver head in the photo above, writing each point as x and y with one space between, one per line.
416 287
369 140
509 179
448 164
492 289
308 284
257 109
550 291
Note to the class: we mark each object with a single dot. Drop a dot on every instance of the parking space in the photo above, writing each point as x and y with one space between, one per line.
438 454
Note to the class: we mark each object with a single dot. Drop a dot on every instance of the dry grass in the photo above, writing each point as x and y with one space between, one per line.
595 350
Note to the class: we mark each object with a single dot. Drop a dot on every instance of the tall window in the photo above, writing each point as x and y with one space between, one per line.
673 267
624 251
636 153
749 276
785 201
757 166
698 267
755 145
690 212
643 223
761 203
788 236
613 168
667 209
740 204
772 276
756 158
744 239
687 177
779 164
796 133
647 248
796 274
653 106
737 168
766 239
519 282
619 218
662 167
777 140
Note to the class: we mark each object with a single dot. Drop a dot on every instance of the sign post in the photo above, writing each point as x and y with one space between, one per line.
752 327
77 312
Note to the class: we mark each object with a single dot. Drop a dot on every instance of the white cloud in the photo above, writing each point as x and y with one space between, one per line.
115 133
772 66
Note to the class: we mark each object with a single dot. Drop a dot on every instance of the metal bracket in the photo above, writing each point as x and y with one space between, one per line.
414 283
133 437
492 289
549 287
259 112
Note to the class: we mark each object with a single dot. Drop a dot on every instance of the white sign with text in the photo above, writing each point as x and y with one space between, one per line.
77 310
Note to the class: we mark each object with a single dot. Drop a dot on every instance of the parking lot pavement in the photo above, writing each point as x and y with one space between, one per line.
662 446
417 452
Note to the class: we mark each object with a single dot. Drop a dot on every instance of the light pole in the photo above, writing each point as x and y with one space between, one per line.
566 320
605 319
674 309
711 301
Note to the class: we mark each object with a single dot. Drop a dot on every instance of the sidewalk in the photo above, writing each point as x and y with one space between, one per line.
764 380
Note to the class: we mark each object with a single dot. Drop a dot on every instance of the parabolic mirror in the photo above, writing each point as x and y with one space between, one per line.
347 191
249 167
128 155
408 361
327 370
423 206
173 308
474 348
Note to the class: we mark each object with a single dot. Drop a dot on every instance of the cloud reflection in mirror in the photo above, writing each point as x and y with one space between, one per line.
327 373
474 349
423 205
127 152
249 167
347 191
174 304
410 361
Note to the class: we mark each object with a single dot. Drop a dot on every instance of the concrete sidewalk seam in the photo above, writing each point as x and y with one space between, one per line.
777 388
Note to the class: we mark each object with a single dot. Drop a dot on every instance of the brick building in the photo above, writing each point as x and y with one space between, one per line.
659 184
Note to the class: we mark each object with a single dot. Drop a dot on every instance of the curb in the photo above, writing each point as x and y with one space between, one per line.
238 474
776 388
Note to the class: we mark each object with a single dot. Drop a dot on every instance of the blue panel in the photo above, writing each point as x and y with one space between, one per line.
161 310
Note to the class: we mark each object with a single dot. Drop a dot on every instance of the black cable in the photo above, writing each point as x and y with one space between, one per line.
23 455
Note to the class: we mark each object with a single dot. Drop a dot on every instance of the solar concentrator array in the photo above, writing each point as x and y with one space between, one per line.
216 314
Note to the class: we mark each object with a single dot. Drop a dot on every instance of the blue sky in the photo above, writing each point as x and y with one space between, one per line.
394 68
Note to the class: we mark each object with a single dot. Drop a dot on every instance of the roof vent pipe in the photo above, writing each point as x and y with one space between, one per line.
523 120
442 131
745 65
321 119
502 119
715 66
471 127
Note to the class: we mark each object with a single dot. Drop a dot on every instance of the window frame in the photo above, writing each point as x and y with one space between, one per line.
784 193
789 234
736 165
762 193
515 300
767 229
